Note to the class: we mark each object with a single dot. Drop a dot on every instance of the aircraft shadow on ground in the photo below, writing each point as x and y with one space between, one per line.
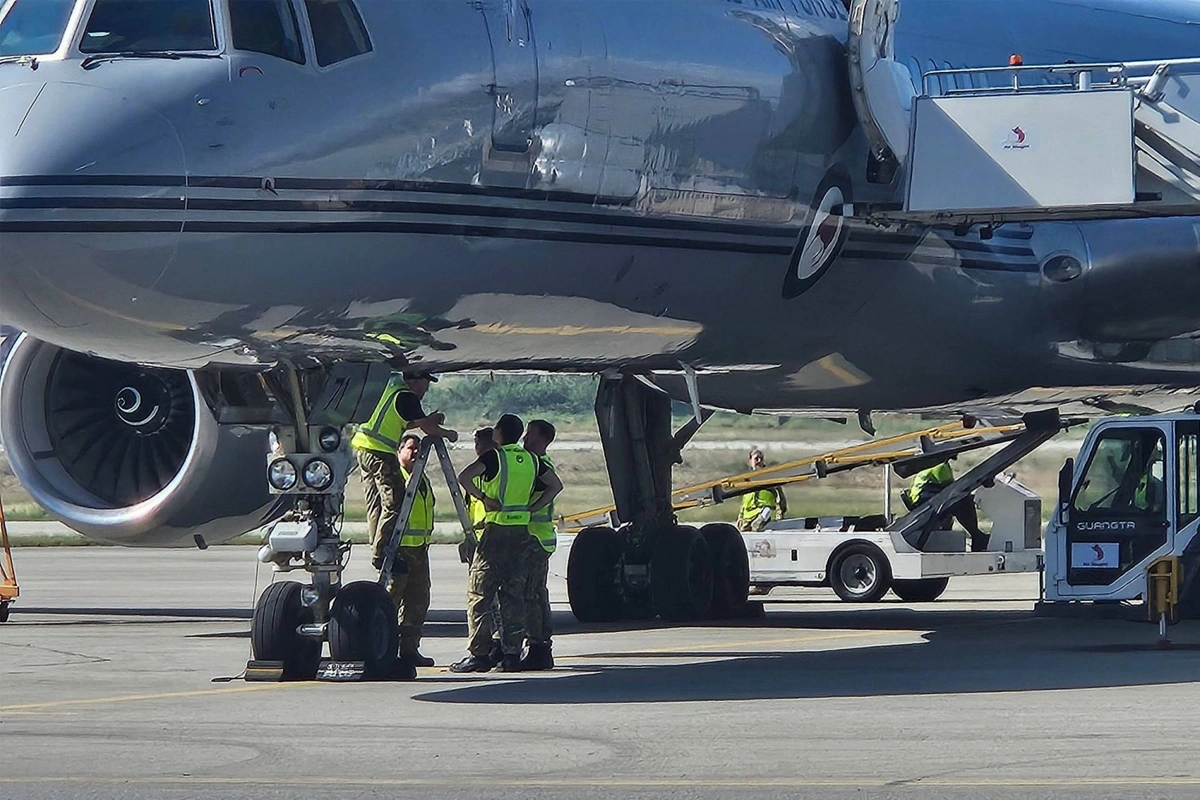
961 652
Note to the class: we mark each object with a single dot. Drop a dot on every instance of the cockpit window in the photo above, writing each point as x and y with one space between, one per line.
266 26
338 30
34 27
130 26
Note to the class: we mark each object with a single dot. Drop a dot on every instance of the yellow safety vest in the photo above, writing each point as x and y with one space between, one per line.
754 502
475 510
541 522
941 475
383 430
420 521
512 486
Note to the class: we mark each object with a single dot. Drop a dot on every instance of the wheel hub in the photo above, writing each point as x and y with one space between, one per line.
858 573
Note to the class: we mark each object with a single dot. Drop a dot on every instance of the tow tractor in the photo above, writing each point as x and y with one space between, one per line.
1129 500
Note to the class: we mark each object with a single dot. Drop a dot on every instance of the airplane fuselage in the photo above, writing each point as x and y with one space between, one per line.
547 185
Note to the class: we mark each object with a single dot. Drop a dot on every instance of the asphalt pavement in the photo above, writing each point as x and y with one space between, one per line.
115 682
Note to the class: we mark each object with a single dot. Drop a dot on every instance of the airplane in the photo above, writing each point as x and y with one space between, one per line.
226 219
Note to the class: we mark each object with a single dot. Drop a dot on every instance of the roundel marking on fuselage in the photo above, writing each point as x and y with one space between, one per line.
821 240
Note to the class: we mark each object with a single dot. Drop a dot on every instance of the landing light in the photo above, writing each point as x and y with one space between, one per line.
281 474
318 474
329 439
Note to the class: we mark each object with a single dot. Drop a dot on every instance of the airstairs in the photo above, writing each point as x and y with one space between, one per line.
1027 142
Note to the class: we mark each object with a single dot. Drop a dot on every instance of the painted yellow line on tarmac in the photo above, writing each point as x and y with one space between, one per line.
612 783
130 698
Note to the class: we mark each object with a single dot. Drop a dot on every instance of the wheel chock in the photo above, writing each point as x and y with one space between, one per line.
264 671
356 672
341 671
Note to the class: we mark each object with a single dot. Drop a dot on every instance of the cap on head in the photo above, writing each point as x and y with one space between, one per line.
415 375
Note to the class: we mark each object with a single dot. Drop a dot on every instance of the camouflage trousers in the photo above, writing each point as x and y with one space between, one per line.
410 593
499 572
383 490
537 595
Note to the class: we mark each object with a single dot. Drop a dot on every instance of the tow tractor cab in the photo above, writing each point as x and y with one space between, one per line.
1132 497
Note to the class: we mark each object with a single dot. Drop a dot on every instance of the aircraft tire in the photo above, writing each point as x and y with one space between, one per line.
363 627
681 575
920 591
860 573
731 569
592 579
273 634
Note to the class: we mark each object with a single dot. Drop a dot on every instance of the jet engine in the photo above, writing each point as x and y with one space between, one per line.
129 454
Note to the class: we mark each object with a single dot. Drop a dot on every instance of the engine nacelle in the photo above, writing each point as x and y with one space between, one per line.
129 454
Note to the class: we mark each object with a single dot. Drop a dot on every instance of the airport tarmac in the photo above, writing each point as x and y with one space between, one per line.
111 668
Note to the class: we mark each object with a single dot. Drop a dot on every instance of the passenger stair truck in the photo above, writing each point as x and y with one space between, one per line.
1040 142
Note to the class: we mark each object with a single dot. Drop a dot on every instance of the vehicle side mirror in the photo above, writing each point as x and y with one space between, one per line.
1064 487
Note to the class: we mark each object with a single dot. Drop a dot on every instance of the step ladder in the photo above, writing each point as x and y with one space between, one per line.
417 476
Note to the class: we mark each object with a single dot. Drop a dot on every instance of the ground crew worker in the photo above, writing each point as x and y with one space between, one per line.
540 656
510 476
410 588
375 444
484 443
932 481
761 506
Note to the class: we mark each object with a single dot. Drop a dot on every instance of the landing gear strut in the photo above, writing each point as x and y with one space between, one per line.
650 565
310 464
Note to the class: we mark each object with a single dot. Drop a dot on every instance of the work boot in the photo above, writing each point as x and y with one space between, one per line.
403 669
496 654
417 659
979 542
472 664
509 663
540 657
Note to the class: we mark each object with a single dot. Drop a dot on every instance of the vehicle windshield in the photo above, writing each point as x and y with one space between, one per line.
138 26
33 27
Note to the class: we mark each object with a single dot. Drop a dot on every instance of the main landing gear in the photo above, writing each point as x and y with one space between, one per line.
311 464
651 565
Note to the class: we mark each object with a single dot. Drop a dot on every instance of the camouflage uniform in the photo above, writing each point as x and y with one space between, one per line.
498 571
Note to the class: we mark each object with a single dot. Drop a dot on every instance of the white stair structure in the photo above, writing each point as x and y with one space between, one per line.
1027 143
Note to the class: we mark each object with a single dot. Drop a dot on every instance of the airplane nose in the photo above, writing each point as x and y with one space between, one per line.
92 198
1144 279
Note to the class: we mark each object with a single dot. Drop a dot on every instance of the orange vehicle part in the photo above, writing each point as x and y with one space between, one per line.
8 576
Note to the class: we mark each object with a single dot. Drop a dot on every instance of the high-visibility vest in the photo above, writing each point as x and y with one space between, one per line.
420 521
541 522
383 430
755 502
1147 494
941 475
512 485
475 510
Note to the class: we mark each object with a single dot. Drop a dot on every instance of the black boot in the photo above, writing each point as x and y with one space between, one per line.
403 669
540 657
419 660
509 664
472 664
979 542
